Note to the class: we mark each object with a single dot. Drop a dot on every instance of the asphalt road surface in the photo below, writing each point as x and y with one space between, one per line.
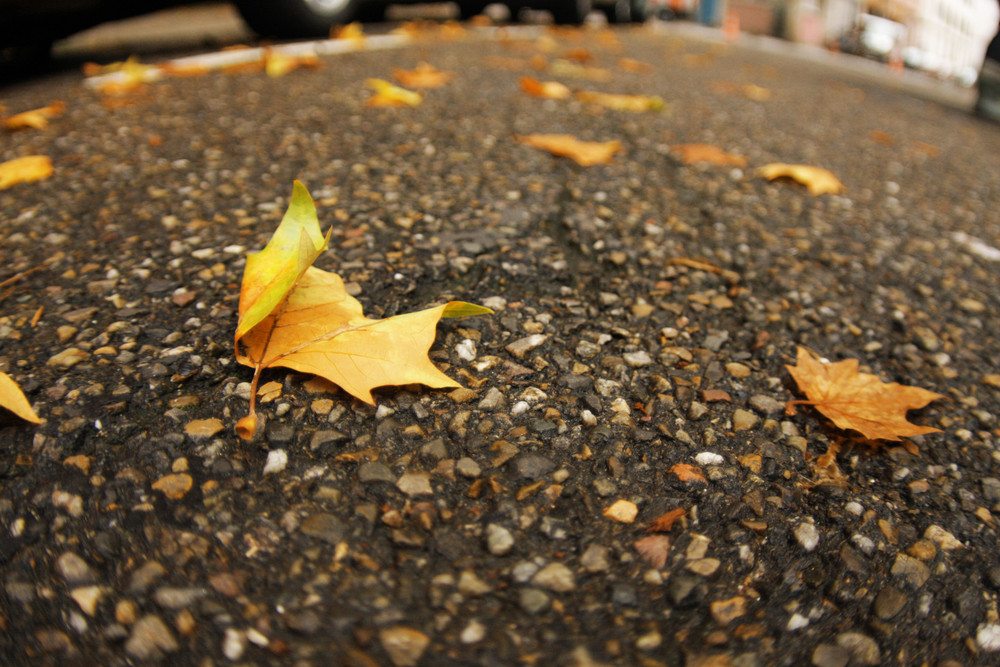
619 480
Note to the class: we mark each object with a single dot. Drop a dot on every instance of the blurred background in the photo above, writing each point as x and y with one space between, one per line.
945 39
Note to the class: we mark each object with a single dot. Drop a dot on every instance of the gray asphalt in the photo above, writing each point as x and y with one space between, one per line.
646 310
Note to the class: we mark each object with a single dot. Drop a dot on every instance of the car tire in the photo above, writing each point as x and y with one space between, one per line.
469 8
618 12
639 11
297 18
570 12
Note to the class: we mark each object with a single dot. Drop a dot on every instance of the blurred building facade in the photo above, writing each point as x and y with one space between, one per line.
941 36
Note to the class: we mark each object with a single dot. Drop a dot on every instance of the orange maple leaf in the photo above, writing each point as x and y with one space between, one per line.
24 170
691 153
37 119
294 315
616 102
859 401
422 77
389 95
818 180
584 153
13 399
550 90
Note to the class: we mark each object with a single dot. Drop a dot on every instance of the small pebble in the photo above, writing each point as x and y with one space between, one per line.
277 460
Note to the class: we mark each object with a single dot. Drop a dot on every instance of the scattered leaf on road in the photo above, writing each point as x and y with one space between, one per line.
748 90
277 63
294 315
422 77
561 67
390 95
550 90
634 66
859 401
13 399
37 119
352 32
584 153
692 153
818 180
24 170
615 102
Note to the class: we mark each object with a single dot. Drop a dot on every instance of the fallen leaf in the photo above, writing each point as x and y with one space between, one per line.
423 77
688 473
579 54
389 95
622 511
294 315
880 137
550 90
859 401
14 400
24 170
584 153
123 78
692 153
634 66
654 549
277 63
818 180
352 32
748 90
615 102
561 67
665 522
37 119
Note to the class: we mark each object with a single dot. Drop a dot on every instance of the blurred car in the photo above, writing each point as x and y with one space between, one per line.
29 27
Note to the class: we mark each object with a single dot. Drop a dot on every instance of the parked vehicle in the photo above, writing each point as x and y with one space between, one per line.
29 27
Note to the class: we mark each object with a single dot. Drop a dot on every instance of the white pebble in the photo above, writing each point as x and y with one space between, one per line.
473 632
234 643
807 535
988 637
797 622
277 459
855 508
466 350
709 459
519 408
588 418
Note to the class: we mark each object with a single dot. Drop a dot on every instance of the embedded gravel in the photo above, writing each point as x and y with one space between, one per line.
645 310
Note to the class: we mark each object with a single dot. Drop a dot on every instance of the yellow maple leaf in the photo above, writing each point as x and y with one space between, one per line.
24 170
296 316
352 32
550 90
422 77
859 401
563 67
692 153
818 180
389 95
13 399
615 102
37 119
277 63
584 153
